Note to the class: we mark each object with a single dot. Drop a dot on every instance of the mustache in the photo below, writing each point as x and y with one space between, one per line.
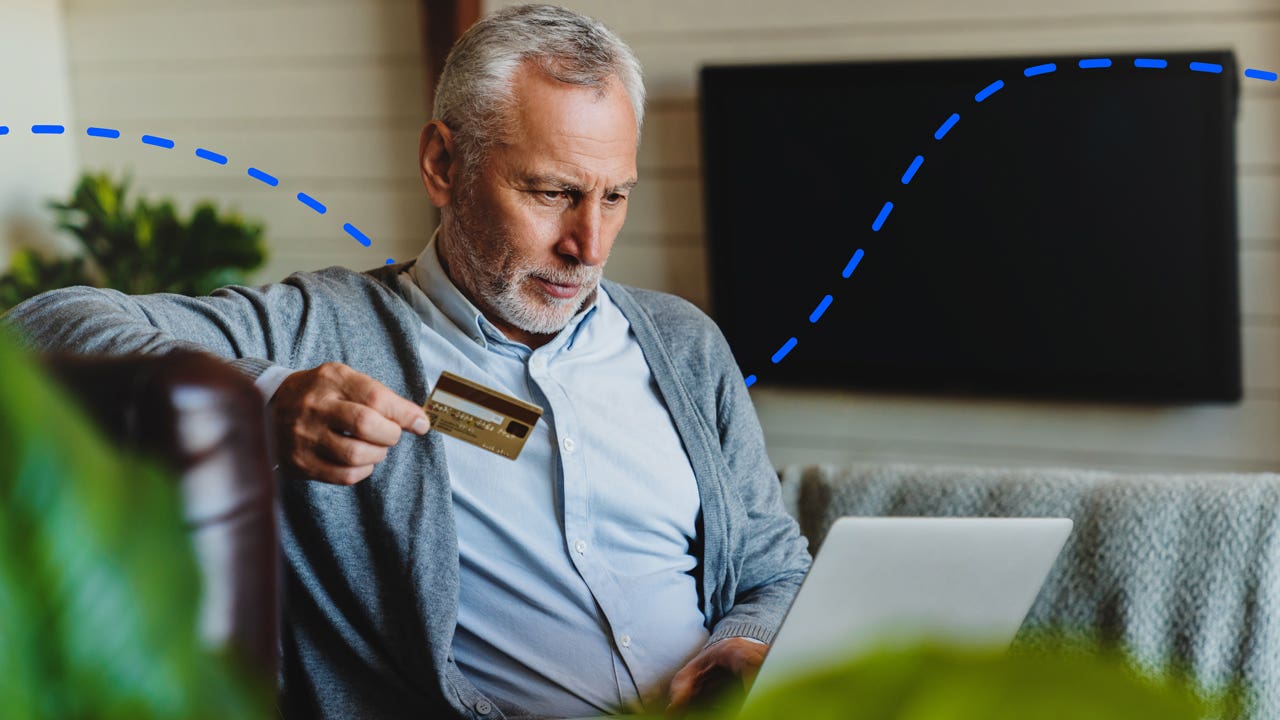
579 276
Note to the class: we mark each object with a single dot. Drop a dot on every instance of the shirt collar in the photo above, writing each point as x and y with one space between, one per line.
430 277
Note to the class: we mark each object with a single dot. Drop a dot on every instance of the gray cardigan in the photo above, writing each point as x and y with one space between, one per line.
371 570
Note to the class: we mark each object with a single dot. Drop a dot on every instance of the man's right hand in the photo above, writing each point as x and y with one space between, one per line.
312 409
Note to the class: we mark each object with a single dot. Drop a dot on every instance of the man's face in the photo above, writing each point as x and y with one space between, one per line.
529 230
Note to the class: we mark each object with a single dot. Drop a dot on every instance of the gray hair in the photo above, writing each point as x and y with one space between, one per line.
475 95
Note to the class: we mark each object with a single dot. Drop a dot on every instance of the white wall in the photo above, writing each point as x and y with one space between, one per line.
326 95
662 245
34 89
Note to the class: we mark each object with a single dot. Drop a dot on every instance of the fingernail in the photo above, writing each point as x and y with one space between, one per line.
421 426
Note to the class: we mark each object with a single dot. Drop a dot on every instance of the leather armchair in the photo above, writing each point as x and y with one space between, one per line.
206 421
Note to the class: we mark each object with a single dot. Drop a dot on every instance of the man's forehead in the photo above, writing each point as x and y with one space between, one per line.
568 135
547 109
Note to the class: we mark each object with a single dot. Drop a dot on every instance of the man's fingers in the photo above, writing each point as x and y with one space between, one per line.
405 414
364 423
749 660
335 424
682 690
713 674
750 666
351 451
317 468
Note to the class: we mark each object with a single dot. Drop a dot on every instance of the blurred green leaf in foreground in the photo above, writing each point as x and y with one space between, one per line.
98 585
1045 680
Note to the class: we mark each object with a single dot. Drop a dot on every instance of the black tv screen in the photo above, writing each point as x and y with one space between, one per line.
1072 234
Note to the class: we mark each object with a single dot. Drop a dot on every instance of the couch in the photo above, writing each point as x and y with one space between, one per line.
1177 569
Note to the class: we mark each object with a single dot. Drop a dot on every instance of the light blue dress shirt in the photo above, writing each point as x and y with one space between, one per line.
577 594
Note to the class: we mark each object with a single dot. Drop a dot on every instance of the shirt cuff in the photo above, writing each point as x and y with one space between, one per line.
270 381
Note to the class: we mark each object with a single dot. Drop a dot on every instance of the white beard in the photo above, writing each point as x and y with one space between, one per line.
484 263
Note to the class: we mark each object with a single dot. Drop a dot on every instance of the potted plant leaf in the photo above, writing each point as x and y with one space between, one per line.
1051 677
138 246
99 587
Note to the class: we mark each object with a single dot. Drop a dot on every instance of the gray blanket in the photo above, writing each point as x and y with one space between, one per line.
1177 568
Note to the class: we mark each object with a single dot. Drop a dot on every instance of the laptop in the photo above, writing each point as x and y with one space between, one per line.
892 581
878 582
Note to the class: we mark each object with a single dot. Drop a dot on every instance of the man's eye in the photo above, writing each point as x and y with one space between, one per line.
552 194
616 199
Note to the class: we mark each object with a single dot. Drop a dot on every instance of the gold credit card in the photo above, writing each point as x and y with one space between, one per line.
481 416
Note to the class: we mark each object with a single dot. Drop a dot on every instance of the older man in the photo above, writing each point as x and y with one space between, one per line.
638 546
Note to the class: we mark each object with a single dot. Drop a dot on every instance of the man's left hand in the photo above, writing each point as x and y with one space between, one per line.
719 668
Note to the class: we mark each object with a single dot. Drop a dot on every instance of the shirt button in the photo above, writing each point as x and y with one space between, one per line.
538 363
580 546
625 641
569 445
483 707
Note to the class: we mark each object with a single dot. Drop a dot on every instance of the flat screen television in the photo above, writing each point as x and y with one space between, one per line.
1071 235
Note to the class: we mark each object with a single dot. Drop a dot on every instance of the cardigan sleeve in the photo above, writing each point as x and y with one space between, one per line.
771 555
251 327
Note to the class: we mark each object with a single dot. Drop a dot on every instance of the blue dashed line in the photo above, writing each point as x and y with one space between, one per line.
360 237
911 171
946 126
1033 71
816 315
884 215
854 261
211 156
159 142
852 264
989 90
782 351
312 203
262 177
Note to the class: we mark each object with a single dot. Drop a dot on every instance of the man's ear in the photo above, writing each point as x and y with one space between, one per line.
437 162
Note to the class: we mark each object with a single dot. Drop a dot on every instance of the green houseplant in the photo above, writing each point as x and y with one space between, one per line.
137 247
1052 677
99 588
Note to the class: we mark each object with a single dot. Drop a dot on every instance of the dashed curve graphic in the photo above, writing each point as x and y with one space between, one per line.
211 156
1096 63
265 178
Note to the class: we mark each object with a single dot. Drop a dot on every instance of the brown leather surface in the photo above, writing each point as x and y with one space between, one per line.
205 421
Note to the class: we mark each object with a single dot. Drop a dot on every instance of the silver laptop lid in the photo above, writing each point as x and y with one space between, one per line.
878 581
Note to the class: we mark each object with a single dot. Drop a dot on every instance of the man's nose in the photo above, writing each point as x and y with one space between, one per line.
584 225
